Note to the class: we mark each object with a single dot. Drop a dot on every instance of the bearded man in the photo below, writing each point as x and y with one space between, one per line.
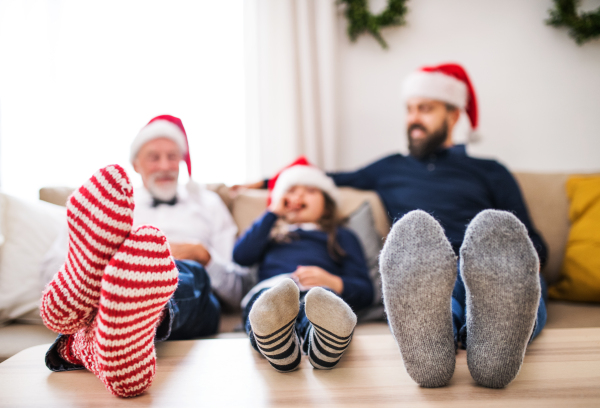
445 203
438 176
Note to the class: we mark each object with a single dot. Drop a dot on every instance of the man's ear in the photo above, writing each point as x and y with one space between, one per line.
453 117
136 166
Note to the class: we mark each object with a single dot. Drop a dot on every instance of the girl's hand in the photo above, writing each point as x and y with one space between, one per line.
278 208
311 276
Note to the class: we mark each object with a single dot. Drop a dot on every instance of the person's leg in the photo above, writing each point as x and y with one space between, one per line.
246 319
500 269
418 271
459 311
193 311
272 319
541 317
118 347
99 218
332 323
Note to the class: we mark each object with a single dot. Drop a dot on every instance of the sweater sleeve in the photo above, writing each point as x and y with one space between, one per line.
361 179
250 248
365 178
507 196
358 288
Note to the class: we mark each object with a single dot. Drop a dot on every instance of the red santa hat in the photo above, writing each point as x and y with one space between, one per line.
301 173
166 126
447 83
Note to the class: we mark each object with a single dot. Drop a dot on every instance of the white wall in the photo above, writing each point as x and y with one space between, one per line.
78 80
539 93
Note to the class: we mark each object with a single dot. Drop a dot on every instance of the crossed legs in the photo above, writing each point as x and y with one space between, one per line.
111 291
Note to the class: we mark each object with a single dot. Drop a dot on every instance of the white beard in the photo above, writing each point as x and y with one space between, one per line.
166 191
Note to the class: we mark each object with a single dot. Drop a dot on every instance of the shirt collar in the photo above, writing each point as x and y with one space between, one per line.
306 226
459 149
455 150
144 198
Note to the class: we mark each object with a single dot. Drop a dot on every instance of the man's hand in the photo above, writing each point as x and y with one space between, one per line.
311 276
255 185
194 252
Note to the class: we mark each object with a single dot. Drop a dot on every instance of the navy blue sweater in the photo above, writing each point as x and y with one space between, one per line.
306 248
449 185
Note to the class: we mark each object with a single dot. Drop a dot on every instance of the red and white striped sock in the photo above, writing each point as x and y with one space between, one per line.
99 216
119 345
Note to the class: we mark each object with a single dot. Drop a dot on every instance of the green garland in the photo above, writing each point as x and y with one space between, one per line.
582 27
361 20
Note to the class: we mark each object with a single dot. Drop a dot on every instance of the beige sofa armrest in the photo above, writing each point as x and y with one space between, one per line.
56 195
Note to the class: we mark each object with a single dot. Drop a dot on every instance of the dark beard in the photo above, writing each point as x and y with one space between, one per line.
430 144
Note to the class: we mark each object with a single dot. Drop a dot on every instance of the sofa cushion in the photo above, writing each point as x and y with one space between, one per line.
29 229
362 223
580 272
545 196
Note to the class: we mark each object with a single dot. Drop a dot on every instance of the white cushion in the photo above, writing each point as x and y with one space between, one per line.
28 229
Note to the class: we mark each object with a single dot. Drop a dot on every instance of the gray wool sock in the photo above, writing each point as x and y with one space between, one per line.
418 271
273 321
500 269
333 323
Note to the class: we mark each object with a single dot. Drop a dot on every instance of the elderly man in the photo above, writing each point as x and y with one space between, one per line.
114 288
196 222
444 203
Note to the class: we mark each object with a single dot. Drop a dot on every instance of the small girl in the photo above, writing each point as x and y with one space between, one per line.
300 249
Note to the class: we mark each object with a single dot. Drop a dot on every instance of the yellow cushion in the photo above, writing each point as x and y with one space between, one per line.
580 272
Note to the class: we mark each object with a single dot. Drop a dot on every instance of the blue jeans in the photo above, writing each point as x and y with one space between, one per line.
193 311
459 311
302 322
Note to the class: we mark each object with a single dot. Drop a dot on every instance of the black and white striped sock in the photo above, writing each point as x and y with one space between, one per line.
325 349
333 323
281 348
273 319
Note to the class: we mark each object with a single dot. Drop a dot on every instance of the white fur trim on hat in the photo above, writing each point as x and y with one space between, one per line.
155 130
304 176
436 85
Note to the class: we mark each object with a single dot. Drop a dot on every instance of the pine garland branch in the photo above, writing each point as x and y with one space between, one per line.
361 20
582 27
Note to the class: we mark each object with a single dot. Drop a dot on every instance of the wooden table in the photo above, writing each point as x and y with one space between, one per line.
562 369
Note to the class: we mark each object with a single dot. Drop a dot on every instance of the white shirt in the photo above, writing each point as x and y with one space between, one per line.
199 216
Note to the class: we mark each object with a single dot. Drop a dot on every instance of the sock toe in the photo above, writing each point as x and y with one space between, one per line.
99 218
500 268
275 308
418 270
329 311
273 321
333 323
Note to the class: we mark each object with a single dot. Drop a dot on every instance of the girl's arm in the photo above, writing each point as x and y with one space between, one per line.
249 248
358 288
